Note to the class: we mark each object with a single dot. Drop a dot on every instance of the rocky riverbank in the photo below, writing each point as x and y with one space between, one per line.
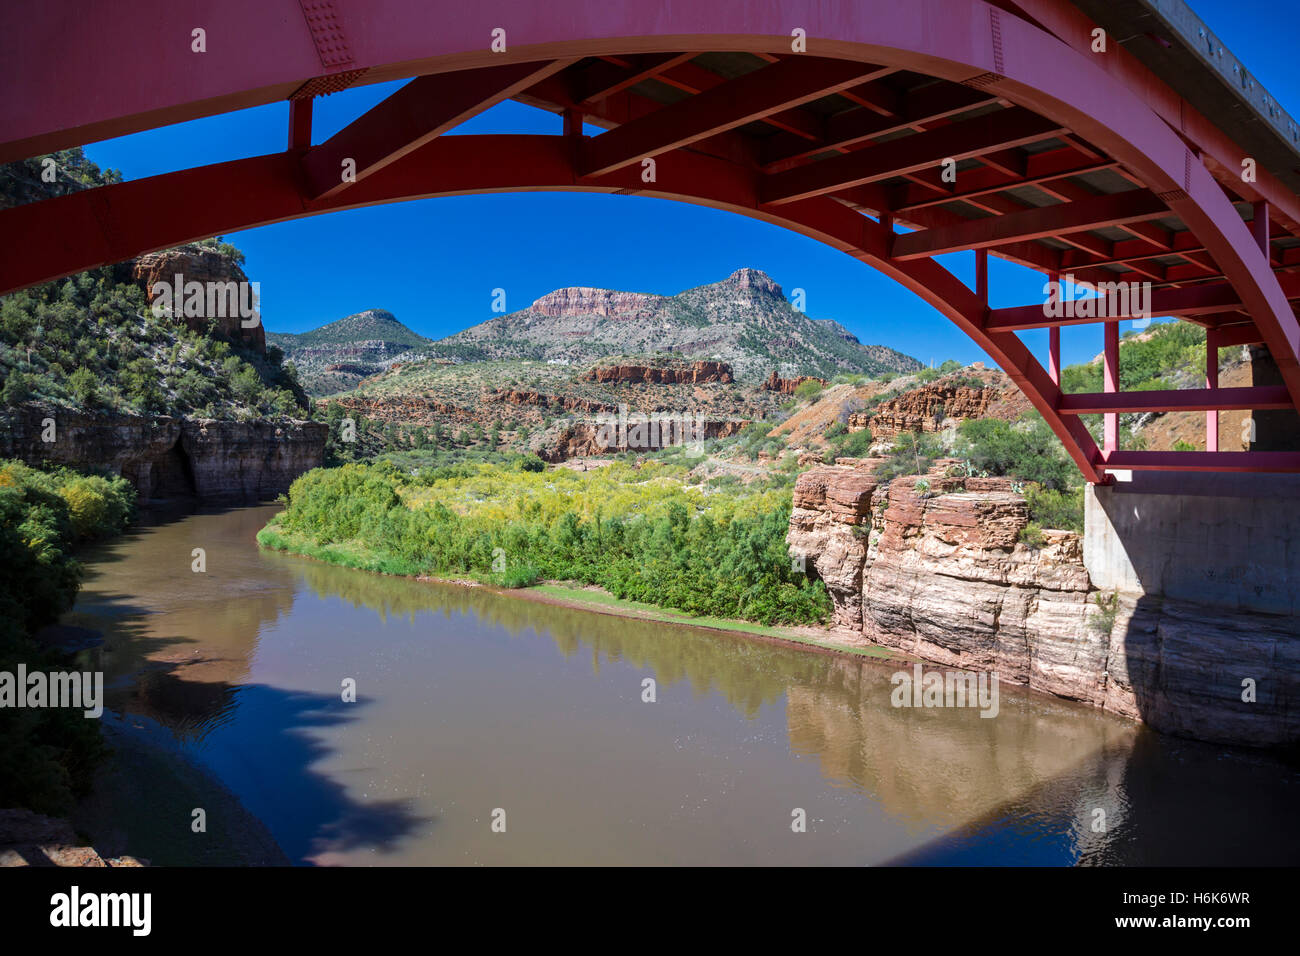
936 567
165 457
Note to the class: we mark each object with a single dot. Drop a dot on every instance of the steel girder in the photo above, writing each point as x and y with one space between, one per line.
260 51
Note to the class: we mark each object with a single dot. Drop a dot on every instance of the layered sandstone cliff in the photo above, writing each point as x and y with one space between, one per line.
585 439
197 264
696 373
935 567
169 457
973 393
604 302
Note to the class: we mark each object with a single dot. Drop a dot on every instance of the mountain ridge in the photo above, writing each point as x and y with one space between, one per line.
744 320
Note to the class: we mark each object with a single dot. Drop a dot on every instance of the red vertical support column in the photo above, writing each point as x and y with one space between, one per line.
300 123
573 120
1054 338
1259 226
982 277
1111 384
1211 381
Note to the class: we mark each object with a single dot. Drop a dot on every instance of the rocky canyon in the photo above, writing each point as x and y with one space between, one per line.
936 568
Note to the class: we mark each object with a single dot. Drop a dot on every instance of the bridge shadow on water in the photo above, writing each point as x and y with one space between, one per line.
177 662
264 744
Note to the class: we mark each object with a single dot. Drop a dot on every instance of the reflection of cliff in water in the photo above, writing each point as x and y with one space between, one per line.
931 765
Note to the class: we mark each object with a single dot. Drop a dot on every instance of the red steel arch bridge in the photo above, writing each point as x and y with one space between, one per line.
1114 141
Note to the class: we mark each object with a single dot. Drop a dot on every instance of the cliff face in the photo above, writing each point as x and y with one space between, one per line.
589 439
924 410
168 457
197 264
934 568
696 373
250 461
787 386
975 392
603 302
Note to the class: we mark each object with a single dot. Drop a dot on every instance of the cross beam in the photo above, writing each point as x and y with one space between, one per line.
982 134
1176 400
1204 299
751 97
420 111
1032 223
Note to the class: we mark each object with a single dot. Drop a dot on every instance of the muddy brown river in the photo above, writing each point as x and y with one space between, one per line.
492 730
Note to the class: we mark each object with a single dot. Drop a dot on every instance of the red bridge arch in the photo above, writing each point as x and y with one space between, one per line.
1074 161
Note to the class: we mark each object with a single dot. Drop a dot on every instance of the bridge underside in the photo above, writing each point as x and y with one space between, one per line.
896 136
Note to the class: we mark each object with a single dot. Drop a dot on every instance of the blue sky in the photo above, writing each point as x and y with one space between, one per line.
434 263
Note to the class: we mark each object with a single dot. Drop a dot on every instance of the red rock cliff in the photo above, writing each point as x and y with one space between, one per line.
198 264
935 567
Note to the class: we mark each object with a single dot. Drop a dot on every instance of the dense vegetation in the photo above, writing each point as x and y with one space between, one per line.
641 533
1156 358
1166 355
90 341
47 755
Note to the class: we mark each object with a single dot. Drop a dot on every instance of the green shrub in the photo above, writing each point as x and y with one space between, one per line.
47 755
912 454
521 576
1031 535
1028 450
636 532
808 390
1051 508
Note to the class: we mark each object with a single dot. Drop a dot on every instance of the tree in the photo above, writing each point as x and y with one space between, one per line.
82 384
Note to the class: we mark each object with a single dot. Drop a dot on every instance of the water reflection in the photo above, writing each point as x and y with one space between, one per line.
466 707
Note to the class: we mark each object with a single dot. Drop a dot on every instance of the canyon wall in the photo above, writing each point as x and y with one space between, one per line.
694 374
936 567
165 457
586 439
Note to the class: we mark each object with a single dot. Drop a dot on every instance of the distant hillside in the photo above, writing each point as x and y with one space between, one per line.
335 357
743 320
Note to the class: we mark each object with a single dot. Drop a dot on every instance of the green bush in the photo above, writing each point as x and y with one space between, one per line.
912 454
521 576
1028 450
1031 535
808 390
1051 508
633 531
47 755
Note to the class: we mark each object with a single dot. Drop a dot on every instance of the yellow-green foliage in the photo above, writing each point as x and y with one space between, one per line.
642 533
492 494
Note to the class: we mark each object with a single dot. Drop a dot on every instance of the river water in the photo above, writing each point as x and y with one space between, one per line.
474 707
